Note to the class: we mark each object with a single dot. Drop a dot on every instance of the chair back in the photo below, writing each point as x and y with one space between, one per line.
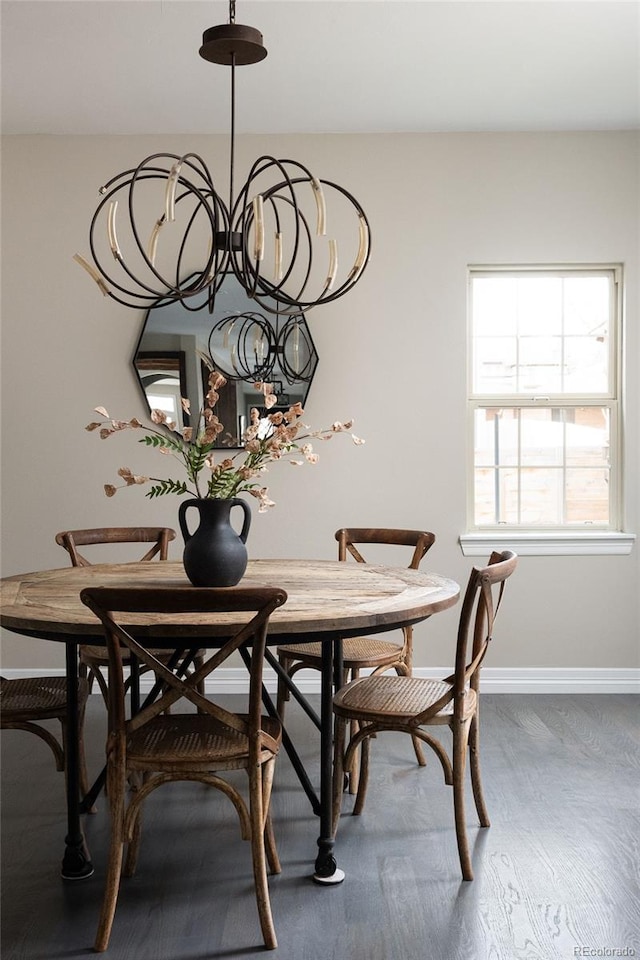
158 537
349 537
172 608
475 629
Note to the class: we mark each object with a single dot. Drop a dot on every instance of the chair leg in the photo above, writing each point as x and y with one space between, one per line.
96 674
460 737
354 769
200 687
83 779
283 692
133 848
417 749
114 869
197 663
273 859
404 670
82 763
363 781
259 859
269 837
85 674
44 734
338 771
474 763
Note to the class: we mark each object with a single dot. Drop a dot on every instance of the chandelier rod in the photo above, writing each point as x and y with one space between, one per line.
232 147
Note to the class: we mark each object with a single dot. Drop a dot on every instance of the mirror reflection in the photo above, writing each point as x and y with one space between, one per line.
244 344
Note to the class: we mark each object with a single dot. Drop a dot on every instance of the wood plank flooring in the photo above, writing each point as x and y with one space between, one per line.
557 874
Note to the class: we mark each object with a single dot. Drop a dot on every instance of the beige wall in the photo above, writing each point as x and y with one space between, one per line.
392 355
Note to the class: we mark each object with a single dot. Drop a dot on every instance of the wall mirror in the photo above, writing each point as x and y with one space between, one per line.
243 343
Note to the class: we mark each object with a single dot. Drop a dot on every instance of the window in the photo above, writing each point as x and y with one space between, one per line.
544 398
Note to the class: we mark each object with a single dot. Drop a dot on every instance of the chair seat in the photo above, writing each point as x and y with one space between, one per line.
397 699
37 698
98 655
356 651
190 739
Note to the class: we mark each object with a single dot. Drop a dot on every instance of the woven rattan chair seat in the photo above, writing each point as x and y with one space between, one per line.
191 738
357 652
36 698
98 655
397 698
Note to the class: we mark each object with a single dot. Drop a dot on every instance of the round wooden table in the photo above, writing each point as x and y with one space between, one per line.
327 601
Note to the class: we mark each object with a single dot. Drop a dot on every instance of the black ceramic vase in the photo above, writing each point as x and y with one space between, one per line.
214 554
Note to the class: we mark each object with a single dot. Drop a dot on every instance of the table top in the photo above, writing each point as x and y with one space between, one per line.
326 598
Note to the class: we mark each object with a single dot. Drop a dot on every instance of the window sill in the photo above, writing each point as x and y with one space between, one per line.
546 544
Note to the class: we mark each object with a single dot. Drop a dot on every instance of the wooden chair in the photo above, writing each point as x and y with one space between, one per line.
409 704
165 747
362 652
93 658
27 701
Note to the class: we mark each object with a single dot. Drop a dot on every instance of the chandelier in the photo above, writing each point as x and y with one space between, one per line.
273 236
247 346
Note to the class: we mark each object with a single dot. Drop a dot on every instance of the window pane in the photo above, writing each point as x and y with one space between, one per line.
541 497
588 440
586 305
540 335
586 362
485 501
539 306
542 465
496 433
587 495
495 365
494 305
496 496
542 437
540 365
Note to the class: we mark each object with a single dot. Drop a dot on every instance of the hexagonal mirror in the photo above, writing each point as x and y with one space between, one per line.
244 344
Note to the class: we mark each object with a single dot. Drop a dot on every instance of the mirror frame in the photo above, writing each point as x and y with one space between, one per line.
192 370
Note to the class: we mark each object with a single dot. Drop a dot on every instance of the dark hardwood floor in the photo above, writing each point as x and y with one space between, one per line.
556 874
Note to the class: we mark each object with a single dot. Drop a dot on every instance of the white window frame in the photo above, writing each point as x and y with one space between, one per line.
571 540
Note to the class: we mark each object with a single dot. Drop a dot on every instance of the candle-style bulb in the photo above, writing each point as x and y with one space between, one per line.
321 207
258 227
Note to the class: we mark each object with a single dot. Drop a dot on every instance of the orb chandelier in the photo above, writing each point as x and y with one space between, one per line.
177 237
247 346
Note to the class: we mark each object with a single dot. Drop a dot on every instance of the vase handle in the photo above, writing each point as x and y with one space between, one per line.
182 511
239 502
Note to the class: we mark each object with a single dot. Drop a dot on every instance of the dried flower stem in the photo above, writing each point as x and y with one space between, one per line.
274 437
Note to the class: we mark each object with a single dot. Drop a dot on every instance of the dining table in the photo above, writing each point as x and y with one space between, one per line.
327 601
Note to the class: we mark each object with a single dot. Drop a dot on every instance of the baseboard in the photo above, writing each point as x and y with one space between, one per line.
556 679
494 679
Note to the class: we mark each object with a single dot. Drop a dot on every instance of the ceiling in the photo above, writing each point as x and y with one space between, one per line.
132 66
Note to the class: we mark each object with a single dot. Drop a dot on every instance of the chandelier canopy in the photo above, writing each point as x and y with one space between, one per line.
273 236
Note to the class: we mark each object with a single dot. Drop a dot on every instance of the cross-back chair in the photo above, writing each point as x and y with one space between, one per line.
360 653
409 704
166 747
156 540
27 701
158 537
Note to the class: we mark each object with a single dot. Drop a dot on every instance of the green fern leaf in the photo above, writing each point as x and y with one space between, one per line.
166 442
163 487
